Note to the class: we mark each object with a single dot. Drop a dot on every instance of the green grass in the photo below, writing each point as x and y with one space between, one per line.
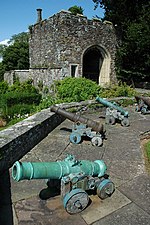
147 149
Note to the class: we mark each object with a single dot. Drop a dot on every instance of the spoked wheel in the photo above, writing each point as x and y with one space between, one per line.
75 137
143 110
75 201
97 141
105 189
125 122
110 120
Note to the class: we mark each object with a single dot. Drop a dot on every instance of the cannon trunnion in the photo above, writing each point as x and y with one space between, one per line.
82 126
143 104
114 112
70 177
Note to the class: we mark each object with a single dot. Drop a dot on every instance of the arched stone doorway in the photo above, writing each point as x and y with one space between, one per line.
96 65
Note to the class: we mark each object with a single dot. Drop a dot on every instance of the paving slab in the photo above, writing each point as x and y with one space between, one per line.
25 188
126 171
138 190
101 208
125 146
34 211
128 215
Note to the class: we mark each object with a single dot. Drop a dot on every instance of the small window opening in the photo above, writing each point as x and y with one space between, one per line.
74 70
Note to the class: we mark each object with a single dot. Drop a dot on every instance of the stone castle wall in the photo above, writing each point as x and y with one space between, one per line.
61 41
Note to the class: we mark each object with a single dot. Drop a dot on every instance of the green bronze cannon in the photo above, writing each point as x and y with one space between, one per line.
82 127
72 177
114 112
143 104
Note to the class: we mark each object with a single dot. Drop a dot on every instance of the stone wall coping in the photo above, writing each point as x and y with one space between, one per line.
21 70
65 12
23 126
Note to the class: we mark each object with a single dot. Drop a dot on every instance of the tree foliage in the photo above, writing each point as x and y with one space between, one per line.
121 11
2 71
15 55
76 10
2 49
132 21
21 37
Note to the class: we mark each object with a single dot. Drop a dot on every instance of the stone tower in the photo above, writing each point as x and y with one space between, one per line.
72 45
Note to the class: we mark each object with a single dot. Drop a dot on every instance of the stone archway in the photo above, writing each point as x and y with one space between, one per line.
96 65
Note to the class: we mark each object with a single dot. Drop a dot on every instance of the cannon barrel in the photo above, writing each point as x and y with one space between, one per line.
146 100
58 169
111 105
77 118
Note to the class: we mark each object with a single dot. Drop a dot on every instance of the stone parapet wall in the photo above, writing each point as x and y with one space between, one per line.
12 75
45 76
39 76
20 138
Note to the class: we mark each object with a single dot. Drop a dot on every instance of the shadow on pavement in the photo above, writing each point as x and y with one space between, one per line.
6 214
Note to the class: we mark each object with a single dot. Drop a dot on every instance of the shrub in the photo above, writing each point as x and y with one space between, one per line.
45 103
12 98
3 87
122 89
25 87
18 111
18 99
76 89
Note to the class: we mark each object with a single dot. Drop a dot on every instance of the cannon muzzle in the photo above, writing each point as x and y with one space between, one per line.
77 118
58 169
112 105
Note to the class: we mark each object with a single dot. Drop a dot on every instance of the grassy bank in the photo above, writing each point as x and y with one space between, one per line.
146 148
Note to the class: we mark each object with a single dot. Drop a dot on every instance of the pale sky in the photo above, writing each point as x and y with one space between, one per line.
17 15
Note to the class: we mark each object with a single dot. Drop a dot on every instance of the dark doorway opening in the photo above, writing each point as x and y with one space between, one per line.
92 61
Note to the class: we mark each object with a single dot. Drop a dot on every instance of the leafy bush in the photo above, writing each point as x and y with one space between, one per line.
45 103
80 89
117 91
24 97
126 102
18 99
3 87
24 86
76 89
18 111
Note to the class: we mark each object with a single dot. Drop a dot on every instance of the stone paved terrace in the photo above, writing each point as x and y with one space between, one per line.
123 154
